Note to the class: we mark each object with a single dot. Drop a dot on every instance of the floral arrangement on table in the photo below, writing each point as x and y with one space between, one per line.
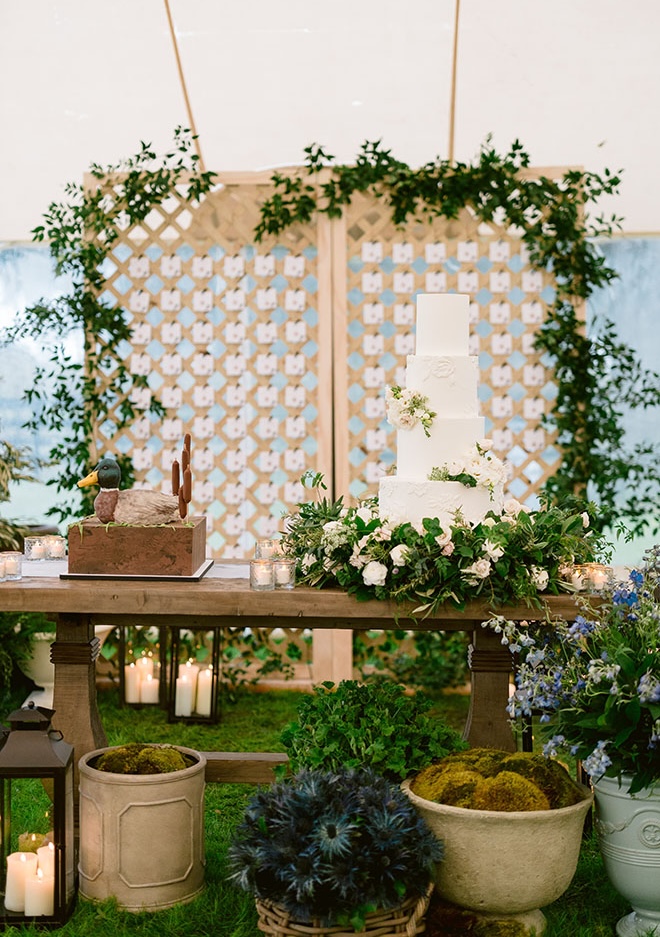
596 681
333 847
514 556
406 408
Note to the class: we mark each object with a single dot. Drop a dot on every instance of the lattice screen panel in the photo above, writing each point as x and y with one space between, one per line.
384 268
242 343
231 337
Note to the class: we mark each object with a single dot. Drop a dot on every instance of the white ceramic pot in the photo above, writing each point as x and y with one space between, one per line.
142 835
628 829
503 864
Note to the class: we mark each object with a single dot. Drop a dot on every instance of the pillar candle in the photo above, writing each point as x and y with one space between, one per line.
190 671
46 858
131 684
39 894
20 865
204 687
145 665
149 690
183 700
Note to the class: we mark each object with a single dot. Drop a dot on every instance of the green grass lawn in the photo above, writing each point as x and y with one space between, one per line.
253 722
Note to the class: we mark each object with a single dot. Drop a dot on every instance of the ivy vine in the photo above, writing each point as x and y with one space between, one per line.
598 376
70 399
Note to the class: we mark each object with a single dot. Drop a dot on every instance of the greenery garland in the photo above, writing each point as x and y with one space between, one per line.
68 399
598 377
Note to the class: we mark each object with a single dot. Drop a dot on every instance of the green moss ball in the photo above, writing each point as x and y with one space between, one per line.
508 792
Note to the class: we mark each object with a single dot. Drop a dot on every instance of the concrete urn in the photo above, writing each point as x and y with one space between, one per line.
505 865
142 835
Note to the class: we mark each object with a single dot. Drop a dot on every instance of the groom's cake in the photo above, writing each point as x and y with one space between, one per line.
439 430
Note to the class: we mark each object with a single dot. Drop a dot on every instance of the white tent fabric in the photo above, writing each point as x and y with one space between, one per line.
577 81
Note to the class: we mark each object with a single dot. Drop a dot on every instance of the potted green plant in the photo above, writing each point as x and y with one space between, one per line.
373 725
597 683
511 827
142 825
329 852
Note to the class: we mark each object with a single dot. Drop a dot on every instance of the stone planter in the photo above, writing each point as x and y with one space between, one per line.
628 830
505 865
142 835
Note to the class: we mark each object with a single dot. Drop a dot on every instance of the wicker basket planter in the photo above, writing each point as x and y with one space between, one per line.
405 920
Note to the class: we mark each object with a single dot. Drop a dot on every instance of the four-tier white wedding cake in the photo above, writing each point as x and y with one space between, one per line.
440 434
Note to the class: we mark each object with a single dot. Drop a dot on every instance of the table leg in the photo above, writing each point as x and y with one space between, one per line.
74 655
490 665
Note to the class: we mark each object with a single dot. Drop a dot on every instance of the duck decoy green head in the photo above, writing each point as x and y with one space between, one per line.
107 474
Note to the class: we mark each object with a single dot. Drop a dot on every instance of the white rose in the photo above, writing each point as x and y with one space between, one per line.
492 550
399 555
448 549
480 569
374 574
365 514
512 506
455 467
489 522
443 539
585 519
486 444
539 577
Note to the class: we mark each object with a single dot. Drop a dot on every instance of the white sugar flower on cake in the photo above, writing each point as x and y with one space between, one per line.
406 408
477 469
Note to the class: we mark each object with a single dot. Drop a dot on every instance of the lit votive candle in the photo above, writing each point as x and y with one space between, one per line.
261 575
204 687
55 548
39 894
598 576
149 690
12 565
131 684
20 865
266 549
183 700
284 573
34 548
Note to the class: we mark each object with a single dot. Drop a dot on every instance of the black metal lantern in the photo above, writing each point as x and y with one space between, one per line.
37 881
142 670
194 674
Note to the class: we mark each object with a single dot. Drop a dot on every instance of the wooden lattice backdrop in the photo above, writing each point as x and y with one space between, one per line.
275 356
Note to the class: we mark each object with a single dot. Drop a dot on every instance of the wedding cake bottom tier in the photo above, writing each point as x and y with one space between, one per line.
402 500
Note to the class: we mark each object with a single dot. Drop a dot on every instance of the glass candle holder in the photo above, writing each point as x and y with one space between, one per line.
261 575
34 548
2 568
55 547
12 562
266 549
284 573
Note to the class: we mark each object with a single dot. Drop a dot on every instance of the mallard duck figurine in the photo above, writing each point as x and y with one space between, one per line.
130 506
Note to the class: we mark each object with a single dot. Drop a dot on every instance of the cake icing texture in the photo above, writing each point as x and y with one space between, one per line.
443 468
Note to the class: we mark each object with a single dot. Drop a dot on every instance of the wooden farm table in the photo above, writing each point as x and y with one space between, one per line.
221 599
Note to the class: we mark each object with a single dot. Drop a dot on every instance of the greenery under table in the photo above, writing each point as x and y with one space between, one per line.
218 601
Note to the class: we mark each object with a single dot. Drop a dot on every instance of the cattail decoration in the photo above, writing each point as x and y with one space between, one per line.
183 488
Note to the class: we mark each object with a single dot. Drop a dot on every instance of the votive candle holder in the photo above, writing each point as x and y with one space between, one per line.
34 548
12 563
262 575
266 549
55 547
284 573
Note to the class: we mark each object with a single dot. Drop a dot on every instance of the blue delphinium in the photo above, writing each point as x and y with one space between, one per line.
333 846
596 680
